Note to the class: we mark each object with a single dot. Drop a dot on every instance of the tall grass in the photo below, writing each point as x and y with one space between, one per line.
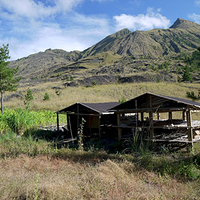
21 120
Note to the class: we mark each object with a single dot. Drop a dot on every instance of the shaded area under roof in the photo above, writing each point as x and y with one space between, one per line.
99 108
158 102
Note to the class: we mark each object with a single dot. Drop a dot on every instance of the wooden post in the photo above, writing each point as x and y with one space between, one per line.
118 127
151 120
99 126
189 126
170 117
142 116
158 115
57 121
78 119
183 115
151 124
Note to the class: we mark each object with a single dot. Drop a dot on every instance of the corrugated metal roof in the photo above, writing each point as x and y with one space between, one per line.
100 108
143 101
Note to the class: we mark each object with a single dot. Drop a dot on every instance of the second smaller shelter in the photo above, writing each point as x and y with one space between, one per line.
96 116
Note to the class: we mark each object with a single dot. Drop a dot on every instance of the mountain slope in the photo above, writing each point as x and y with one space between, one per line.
43 61
182 36
121 54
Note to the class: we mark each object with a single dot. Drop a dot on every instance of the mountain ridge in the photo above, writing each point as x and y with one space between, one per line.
119 52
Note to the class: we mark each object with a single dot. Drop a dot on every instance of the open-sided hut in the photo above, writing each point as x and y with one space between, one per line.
96 116
149 108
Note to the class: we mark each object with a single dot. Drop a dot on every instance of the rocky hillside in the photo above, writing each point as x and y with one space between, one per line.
124 56
182 36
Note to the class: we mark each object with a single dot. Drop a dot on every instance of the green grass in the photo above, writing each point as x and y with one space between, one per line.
21 120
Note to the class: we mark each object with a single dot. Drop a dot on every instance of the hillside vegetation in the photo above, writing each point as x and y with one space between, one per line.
125 56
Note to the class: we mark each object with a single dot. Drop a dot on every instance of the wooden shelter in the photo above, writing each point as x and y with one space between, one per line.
96 117
153 106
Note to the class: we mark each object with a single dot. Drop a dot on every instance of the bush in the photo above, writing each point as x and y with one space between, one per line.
46 97
28 96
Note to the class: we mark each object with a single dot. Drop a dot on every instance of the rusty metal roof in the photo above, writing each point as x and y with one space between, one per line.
87 108
158 101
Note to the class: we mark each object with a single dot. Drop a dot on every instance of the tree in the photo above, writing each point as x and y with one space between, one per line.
28 96
7 80
186 74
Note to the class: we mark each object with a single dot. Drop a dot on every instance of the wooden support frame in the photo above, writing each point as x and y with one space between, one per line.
189 126
78 119
151 119
99 126
170 117
142 116
183 115
119 129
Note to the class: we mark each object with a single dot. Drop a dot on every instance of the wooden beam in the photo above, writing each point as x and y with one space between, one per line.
142 116
119 129
151 119
78 119
139 110
170 117
189 126
158 115
99 126
183 115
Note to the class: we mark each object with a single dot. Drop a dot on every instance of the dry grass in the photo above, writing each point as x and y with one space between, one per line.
44 178
100 93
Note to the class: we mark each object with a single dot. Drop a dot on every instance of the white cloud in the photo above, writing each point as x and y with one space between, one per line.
29 28
142 22
31 9
78 33
195 17
197 2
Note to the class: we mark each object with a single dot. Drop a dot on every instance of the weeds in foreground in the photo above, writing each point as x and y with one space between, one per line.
183 166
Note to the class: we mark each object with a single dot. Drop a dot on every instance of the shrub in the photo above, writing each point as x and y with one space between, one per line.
28 96
46 97
122 100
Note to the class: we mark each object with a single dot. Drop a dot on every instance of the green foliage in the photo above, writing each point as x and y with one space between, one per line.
182 169
71 78
7 80
46 97
80 135
20 121
187 75
36 196
94 83
192 96
28 96
122 100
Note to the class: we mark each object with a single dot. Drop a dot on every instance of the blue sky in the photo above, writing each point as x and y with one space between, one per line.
31 26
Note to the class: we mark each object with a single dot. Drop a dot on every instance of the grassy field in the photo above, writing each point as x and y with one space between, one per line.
98 93
32 168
